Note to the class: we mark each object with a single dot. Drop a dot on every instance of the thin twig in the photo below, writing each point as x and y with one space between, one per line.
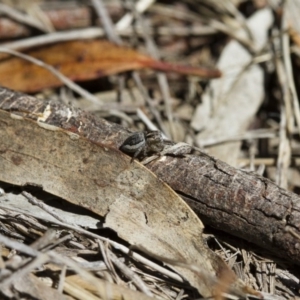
289 69
286 123
284 153
103 288
62 278
162 79
20 17
106 21
150 125
95 32
130 274
104 251
55 37
140 7
41 205
253 134
38 261
116 245
143 91
113 36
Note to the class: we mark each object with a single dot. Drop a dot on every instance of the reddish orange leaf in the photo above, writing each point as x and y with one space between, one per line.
83 60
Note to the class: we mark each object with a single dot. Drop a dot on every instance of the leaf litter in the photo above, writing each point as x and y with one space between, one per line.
265 275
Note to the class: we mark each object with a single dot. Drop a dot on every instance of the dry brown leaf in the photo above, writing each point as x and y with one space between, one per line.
136 204
83 60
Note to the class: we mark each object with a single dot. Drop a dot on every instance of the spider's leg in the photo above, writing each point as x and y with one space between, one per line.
137 153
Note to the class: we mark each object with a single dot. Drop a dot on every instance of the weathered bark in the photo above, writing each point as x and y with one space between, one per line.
243 204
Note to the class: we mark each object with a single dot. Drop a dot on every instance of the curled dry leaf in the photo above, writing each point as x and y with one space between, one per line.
135 203
83 60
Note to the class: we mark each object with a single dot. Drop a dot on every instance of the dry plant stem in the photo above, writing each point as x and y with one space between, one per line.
104 251
287 98
162 78
252 151
183 264
253 134
94 266
59 241
140 7
36 11
33 222
265 277
77 292
130 274
286 125
284 154
289 71
39 260
272 278
116 245
106 21
109 29
112 35
45 240
222 285
2 264
55 37
228 29
287 101
247 43
169 12
224 251
62 278
20 17
41 205
118 263
101 287
150 125
153 110
232 8
291 231
95 32
165 90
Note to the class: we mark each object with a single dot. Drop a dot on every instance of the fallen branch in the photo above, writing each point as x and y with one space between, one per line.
240 203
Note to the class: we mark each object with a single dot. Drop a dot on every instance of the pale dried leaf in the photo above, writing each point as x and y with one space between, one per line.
232 101
140 207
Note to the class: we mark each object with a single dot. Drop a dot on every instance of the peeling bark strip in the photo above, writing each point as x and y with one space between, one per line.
243 204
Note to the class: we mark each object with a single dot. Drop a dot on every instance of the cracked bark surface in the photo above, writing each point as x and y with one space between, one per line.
243 204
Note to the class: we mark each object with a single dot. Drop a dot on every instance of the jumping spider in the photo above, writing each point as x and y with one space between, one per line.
145 142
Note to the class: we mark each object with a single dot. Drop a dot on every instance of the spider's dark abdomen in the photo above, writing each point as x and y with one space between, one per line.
133 143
